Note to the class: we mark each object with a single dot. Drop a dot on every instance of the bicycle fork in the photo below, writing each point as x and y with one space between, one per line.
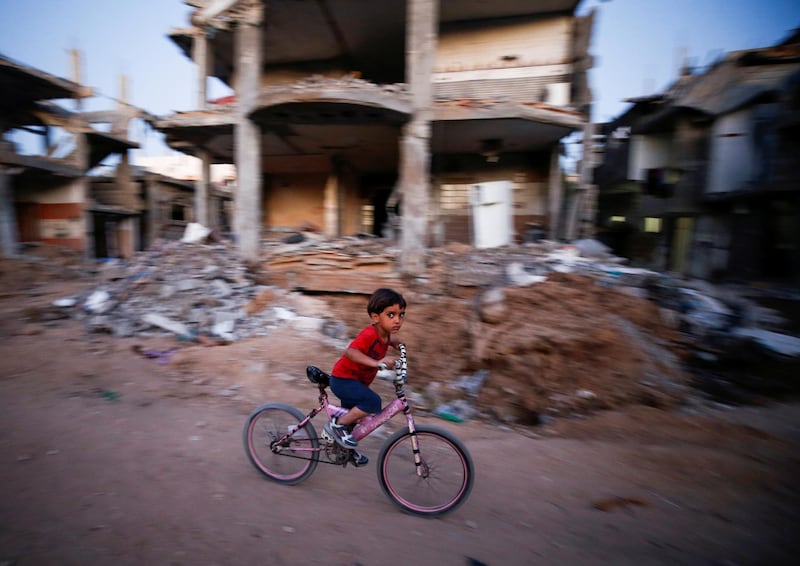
421 467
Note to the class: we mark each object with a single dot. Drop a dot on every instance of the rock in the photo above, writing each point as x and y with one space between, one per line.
492 306
99 302
195 233
518 276
294 239
782 344
160 321
592 248
307 324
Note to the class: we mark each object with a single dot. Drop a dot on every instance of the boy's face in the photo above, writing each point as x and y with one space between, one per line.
390 320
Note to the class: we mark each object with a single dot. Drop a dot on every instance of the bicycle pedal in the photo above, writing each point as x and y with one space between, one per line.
325 436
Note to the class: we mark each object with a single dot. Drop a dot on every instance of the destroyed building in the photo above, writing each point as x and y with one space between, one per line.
44 194
434 122
701 179
58 191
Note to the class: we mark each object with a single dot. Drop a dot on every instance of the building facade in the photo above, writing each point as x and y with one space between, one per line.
420 119
703 175
53 191
45 190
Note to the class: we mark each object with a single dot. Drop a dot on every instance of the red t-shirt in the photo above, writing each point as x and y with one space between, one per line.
370 344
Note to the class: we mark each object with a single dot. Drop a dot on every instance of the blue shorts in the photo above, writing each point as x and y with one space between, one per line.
353 393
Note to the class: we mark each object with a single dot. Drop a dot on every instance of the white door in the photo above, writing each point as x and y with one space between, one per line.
492 221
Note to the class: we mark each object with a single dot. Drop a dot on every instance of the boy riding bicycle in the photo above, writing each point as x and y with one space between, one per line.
355 371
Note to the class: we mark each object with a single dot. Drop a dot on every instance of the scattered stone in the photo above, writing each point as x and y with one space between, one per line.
99 302
563 329
195 233
165 323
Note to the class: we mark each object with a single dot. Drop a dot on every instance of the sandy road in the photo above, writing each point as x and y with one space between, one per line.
110 458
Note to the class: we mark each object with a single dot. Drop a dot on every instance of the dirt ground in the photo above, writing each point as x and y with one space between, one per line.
110 456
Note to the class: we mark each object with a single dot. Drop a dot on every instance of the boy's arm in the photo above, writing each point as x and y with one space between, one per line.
360 357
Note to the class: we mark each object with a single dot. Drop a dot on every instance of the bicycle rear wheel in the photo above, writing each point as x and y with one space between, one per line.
289 462
447 472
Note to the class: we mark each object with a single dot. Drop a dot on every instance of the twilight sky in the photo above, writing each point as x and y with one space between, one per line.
638 46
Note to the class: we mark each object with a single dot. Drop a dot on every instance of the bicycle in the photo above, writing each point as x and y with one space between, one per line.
422 469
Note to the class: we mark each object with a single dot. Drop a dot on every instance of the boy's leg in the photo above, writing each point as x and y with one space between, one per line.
352 416
362 402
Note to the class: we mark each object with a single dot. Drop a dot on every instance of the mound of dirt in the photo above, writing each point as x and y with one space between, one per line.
567 345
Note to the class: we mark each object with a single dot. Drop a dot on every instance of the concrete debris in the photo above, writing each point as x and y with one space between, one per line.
471 384
592 248
195 233
773 341
99 302
518 276
160 321
704 313
206 289
182 289
531 331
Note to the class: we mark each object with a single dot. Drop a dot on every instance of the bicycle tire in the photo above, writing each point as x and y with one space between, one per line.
449 477
294 462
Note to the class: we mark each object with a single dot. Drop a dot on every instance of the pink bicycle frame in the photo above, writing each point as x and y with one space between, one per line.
370 423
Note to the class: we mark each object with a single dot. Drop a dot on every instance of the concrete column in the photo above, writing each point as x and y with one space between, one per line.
201 189
126 236
200 56
588 213
555 195
247 210
154 212
583 208
85 197
589 219
8 216
331 206
421 37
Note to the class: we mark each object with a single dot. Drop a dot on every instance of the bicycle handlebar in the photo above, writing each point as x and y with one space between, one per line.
401 366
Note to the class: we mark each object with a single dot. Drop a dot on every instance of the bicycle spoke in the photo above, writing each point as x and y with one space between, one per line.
291 461
441 482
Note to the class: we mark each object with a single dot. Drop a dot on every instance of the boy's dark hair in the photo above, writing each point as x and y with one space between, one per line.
382 299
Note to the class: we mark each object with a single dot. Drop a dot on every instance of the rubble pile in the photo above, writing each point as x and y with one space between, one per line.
516 334
543 329
314 264
561 347
191 291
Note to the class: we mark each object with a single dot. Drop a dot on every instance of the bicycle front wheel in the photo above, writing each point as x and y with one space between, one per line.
442 481
290 461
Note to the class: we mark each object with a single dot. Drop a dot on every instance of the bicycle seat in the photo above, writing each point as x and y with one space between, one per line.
316 375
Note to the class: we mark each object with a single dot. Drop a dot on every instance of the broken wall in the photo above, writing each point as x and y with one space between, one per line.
294 198
52 215
525 59
286 75
171 209
117 191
